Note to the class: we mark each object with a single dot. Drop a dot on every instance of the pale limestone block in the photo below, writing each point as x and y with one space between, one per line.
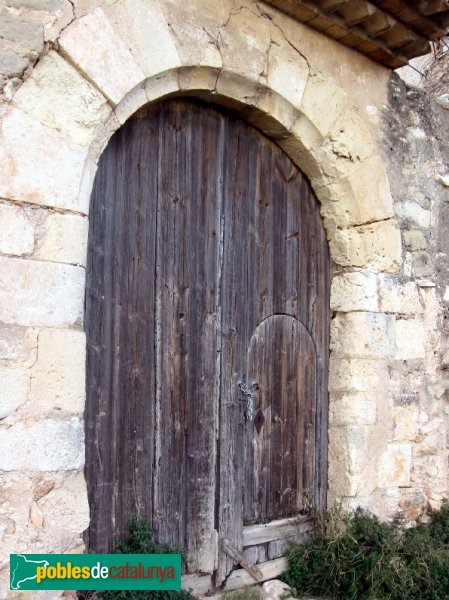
362 196
323 103
65 511
64 239
18 345
39 164
395 464
58 377
162 85
354 375
414 212
274 115
397 297
410 336
352 461
354 291
40 293
196 30
131 103
375 247
16 231
430 472
26 32
356 408
431 439
141 24
49 445
405 422
413 503
14 389
97 49
244 43
287 70
276 590
198 78
350 138
48 95
362 335
414 240
422 265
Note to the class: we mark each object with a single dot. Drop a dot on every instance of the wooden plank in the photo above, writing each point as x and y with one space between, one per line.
240 559
276 530
119 326
189 208
270 570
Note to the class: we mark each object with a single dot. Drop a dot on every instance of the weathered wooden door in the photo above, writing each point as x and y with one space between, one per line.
207 323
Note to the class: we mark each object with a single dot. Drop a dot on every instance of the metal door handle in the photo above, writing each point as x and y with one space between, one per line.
248 392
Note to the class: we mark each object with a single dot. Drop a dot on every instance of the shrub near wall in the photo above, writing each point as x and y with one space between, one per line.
355 556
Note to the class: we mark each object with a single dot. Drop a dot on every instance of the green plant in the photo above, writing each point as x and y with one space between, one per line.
354 556
140 541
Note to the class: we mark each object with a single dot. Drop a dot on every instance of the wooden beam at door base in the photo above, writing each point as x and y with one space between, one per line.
270 570
232 551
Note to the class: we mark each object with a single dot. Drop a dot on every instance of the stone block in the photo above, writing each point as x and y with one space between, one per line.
197 33
361 196
422 265
58 377
354 375
243 44
395 465
65 510
14 389
12 63
144 27
40 293
355 408
354 291
39 165
414 240
398 297
50 445
376 247
48 95
362 335
350 139
323 103
131 103
412 211
431 439
17 232
410 336
47 5
18 345
27 33
64 239
288 71
98 50
405 422
413 503
351 461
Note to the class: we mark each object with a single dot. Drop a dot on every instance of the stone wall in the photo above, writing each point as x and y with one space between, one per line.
372 154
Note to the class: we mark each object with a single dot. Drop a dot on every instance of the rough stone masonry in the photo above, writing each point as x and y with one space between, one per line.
376 155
